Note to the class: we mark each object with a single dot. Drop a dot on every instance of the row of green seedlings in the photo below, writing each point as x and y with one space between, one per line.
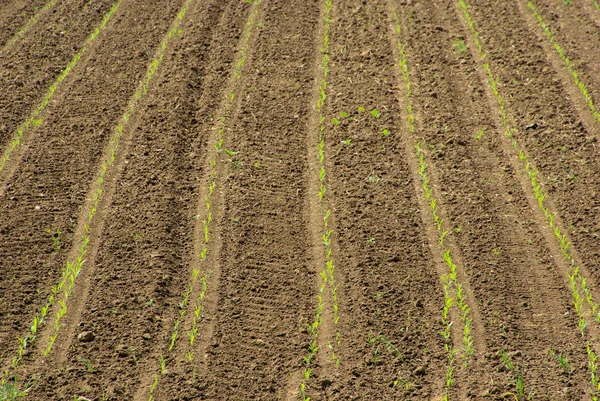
568 63
34 119
517 379
207 221
32 21
142 90
453 289
72 269
327 274
578 284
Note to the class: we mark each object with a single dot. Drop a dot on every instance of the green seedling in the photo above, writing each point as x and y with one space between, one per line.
459 45
385 132
163 364
88 365
346 142
563 361
343 114
10 390
361 109
479 135
375 113
335 121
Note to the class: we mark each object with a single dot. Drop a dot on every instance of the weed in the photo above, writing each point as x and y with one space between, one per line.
377 342
55 238
88 365
479 135
563 361
34 120
459 45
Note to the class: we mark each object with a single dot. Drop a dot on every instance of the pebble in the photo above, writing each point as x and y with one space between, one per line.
420 371
86 336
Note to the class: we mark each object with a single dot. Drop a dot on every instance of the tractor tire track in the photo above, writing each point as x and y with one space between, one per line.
266 282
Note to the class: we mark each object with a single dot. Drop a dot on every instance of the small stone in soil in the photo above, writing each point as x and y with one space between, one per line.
86 336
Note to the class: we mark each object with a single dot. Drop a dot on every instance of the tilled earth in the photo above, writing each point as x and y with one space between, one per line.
224 200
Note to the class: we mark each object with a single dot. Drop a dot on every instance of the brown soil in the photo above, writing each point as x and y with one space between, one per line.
14 14
265 250
30 66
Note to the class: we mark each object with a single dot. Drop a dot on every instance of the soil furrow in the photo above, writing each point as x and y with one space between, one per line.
14 16
264 227
29 67
507 262
47 191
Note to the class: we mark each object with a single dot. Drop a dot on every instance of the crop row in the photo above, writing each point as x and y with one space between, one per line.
34 119
454 294
208 219
73 267
327 273
578 285
32 21
568 63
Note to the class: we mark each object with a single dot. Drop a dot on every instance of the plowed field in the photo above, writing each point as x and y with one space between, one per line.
299 200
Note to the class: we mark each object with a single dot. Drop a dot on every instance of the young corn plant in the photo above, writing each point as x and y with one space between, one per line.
10 390
34 120
577 283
